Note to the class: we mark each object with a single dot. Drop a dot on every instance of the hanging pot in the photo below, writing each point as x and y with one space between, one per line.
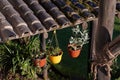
55 59
74 53
40 62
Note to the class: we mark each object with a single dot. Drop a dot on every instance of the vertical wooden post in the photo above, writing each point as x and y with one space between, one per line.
42 42
105 23
94 29
101 35
43 48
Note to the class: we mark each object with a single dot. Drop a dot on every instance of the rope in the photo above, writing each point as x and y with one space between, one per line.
106 64
56 40
108 52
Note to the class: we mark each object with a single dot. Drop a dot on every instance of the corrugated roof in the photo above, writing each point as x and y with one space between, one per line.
21 18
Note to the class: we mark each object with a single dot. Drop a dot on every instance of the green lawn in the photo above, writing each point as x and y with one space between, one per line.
72 67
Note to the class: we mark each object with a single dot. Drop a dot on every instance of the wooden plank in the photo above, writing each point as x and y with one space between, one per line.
114 46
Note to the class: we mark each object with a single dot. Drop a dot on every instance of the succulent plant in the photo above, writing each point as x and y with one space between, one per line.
79 38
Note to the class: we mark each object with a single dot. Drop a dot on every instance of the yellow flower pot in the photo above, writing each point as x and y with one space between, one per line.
56 59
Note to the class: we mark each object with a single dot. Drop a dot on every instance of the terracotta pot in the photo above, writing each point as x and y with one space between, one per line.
74 53
56 59
40 62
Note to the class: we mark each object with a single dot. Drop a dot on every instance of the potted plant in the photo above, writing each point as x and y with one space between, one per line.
76 42
55 54
40 59
54 51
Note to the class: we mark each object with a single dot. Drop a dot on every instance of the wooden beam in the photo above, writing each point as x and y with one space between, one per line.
114 46
112 50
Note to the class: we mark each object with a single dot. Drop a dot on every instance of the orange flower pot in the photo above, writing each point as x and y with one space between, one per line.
40 62
74 53
56 59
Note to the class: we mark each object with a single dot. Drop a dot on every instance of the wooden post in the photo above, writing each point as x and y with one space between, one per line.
92 50
42 42
43 48
101 36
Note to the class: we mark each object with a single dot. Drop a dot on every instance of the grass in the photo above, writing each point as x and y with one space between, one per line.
116 31
69 66
116 65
